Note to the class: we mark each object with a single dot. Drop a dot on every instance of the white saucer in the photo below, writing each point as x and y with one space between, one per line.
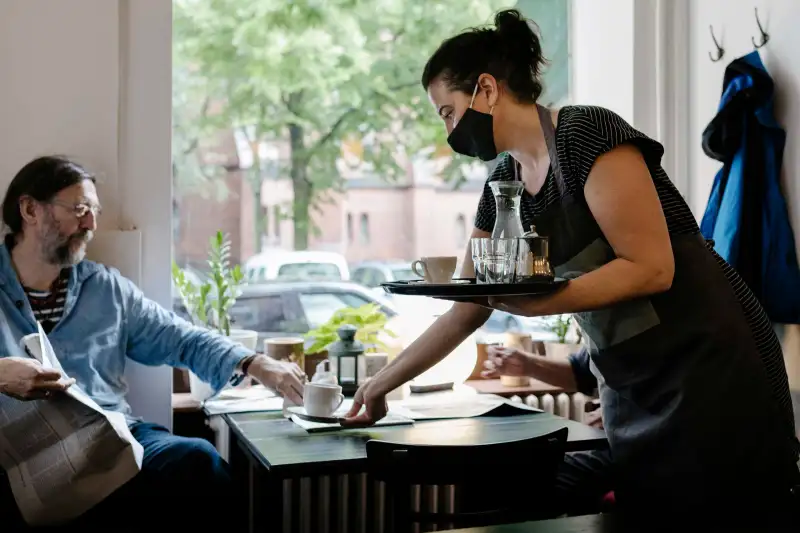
300 411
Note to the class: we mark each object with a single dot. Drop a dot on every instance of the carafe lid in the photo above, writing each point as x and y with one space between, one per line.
532 232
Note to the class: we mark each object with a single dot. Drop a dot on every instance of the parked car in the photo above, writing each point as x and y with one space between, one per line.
282 265
372 273
280 309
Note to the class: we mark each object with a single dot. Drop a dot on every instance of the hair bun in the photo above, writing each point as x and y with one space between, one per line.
511 23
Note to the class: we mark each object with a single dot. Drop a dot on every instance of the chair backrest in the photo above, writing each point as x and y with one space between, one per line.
492 483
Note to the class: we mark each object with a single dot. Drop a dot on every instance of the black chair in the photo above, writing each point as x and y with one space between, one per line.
492 483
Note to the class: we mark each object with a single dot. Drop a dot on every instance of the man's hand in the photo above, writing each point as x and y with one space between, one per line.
594 419
507 362
284 377
24 378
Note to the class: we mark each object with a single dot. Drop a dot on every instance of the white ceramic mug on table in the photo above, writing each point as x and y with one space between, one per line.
322 399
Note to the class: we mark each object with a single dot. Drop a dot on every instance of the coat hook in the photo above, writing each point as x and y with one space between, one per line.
720 50
764 35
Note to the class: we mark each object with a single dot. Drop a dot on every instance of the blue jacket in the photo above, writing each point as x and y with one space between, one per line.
107 320
746 216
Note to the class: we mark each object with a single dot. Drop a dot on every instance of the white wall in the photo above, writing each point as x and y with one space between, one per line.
625 57
602 57
734 23
92 79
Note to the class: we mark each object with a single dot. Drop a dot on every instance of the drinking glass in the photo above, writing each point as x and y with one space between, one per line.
499 260
478 245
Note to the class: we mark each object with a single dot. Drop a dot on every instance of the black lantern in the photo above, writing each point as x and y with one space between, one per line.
347 355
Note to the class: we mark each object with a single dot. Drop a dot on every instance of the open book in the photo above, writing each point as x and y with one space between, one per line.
65 454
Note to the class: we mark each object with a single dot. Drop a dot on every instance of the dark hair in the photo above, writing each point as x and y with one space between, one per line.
511 52
41 179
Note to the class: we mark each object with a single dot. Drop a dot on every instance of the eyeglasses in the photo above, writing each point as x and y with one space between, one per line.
79 210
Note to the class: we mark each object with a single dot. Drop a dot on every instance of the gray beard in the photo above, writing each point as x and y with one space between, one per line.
63 256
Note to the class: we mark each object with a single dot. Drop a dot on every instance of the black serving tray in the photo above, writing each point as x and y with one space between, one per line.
466 290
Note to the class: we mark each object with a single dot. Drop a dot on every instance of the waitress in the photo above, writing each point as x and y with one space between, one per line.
674 334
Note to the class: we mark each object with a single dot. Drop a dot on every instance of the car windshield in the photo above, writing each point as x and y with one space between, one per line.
309 272
401 274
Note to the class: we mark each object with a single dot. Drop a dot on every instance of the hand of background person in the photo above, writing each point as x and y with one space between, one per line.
506 362
25 378
284 377
594 419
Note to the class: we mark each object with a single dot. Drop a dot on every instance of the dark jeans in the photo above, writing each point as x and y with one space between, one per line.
583 479
183 482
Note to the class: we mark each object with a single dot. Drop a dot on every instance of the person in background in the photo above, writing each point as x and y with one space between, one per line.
96 320
672 330
583 478
572 374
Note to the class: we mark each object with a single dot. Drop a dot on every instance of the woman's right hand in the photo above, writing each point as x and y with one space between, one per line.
507 362
374 403
24 378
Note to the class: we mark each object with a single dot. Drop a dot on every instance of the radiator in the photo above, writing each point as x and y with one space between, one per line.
569 406
343 503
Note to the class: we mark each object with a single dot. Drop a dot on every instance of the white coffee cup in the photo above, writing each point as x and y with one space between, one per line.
322 399
435 269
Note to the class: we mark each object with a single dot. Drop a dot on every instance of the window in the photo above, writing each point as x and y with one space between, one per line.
365 276
461 230
360 275
320 307
362 175
364 229
404 274
276 212
369 277
349 228
309 272
265 314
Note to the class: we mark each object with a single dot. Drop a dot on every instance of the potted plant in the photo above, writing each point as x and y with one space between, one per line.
209 302
568 336
372 332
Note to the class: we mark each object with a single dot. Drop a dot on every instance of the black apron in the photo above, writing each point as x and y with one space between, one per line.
686 403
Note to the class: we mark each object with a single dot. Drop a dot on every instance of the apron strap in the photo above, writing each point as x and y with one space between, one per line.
549 130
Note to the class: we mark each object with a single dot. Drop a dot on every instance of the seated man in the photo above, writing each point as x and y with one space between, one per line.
96 319
584 477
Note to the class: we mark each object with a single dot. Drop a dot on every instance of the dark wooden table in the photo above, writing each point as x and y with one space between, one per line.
577 524
656 523
494 386
317 482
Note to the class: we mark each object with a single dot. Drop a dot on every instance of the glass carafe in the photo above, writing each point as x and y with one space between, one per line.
507 197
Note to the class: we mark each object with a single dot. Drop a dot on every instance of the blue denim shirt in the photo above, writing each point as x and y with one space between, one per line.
107 320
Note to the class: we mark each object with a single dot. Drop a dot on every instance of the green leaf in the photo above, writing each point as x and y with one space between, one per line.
316 75
369 320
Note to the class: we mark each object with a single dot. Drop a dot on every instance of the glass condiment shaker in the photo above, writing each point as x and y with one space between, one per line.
533 257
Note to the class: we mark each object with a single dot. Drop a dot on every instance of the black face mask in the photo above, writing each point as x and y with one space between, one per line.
473 136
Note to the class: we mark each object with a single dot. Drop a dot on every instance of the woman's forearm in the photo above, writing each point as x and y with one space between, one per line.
614 282
441 338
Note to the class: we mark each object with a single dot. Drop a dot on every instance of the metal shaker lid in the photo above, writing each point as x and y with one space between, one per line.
532 232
